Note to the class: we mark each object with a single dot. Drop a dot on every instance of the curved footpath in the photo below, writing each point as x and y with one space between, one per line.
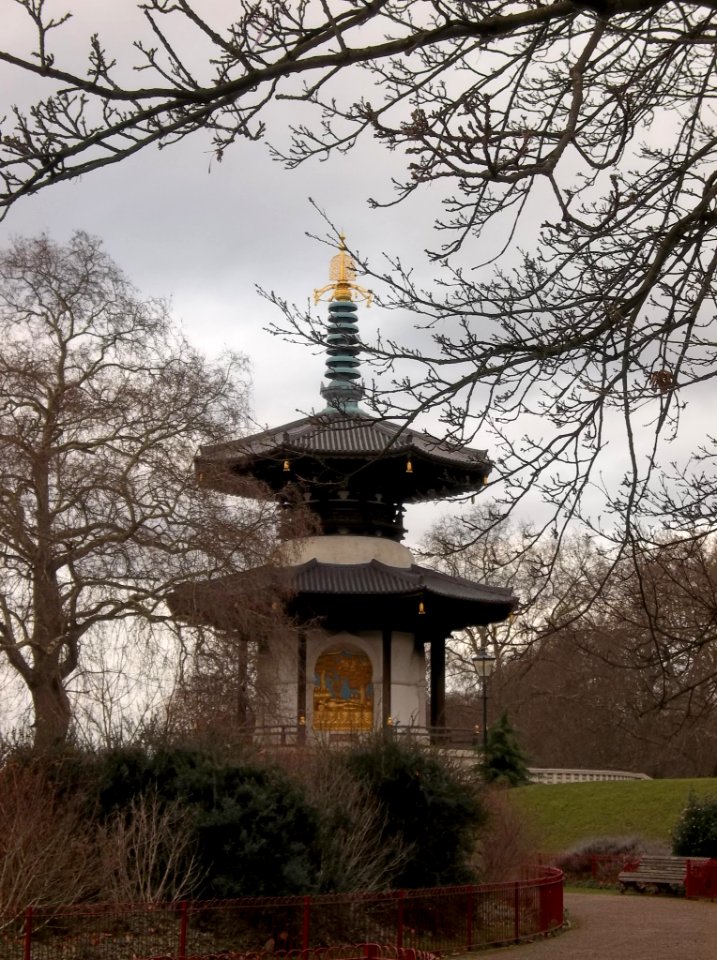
629 927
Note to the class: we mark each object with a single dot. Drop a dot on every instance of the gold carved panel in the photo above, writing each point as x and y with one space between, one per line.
343 690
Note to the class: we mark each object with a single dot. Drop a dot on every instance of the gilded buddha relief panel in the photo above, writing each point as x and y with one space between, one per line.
343 689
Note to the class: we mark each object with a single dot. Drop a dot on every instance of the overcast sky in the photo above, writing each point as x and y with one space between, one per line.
206 239
206 234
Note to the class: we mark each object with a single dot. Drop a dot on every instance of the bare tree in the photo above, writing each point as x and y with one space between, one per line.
626 649
574 144
128 673
552 588
102 406
636 671
216 697
659 618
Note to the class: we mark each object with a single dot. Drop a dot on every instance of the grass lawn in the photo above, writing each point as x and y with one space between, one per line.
565 814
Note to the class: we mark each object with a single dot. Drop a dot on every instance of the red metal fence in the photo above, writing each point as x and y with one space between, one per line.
353 951
440 920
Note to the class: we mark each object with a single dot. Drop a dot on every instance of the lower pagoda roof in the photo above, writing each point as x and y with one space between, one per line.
366 596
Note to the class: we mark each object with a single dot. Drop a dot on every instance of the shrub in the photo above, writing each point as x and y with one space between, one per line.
47 847
245 830
426 808
257 836
579 861
147 852
356 853
695 833
507 842
504 760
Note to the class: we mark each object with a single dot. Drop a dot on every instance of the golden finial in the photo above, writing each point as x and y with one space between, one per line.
342 274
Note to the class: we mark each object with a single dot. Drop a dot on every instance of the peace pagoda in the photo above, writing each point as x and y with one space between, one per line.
368 617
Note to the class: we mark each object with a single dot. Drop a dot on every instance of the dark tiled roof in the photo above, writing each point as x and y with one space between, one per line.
350 596
329 434
376 578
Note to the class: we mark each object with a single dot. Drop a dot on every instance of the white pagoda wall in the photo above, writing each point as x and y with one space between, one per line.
278 665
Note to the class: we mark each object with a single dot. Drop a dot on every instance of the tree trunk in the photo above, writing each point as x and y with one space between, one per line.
52 712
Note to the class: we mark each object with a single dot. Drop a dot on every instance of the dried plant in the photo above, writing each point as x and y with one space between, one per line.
508 843
47 850
352 854
147 852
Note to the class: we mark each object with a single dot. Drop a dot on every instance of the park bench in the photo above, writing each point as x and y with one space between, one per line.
657 874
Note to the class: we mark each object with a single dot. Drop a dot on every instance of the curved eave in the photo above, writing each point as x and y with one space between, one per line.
355 596
374 595
333 448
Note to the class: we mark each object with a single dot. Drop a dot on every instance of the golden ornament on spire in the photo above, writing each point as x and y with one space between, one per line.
342 274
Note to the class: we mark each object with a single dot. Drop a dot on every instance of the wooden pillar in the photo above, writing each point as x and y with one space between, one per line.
386 677
438 682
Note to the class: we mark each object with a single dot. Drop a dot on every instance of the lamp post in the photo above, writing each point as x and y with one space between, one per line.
484 665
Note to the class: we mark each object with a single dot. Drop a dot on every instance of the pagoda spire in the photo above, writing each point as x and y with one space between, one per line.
342 392
342 276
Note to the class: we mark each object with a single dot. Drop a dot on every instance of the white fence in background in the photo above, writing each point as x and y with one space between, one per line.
557 775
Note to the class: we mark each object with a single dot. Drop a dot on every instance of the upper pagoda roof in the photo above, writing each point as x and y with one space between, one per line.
343 459
333 445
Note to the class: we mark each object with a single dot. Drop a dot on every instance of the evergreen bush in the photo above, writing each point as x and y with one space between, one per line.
385 813
695 833
504 760
428 810
254 834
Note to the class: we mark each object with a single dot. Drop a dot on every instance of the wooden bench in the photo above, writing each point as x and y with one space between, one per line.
656 874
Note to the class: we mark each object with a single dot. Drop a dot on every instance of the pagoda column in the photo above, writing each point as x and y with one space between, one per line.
301 684
242 711
438 681
386 677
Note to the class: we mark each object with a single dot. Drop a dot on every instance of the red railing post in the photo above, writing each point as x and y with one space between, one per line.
27 936
469 918
183 921
516 909
551 903
545 906
399 919
543 894
306 923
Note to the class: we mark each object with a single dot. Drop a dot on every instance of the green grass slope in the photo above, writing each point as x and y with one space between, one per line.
563 815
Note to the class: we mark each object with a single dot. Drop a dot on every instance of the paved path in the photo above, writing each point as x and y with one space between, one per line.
629 927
